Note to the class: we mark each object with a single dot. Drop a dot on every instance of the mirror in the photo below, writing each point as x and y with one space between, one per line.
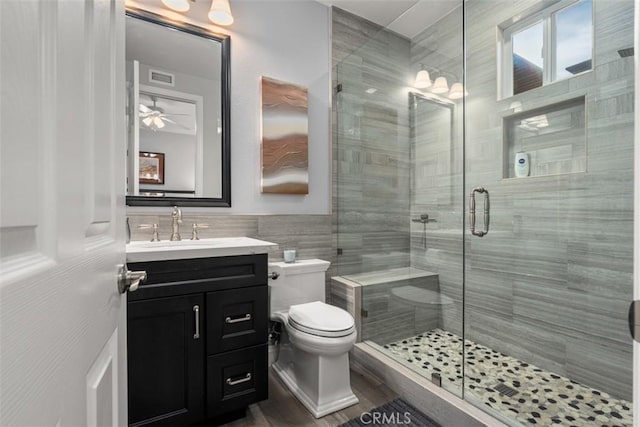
178 139
434 142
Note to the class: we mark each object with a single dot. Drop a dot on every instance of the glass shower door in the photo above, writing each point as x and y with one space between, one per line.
548 265
399 184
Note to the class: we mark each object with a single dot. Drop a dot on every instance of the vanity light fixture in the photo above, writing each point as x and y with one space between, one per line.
423 80
457 91
177 5
220 12
440 85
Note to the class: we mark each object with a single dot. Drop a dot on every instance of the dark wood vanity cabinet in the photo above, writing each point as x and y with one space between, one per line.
165 363
197 340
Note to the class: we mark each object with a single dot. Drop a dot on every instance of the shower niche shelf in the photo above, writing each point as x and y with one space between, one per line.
554 137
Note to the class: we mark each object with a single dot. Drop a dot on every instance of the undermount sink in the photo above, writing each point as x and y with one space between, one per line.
141 251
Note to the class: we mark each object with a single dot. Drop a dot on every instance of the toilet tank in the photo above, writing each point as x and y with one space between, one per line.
298 283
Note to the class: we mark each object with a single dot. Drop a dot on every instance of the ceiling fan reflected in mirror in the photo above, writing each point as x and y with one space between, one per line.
155 117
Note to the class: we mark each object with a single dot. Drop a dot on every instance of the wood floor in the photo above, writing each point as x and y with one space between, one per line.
283 409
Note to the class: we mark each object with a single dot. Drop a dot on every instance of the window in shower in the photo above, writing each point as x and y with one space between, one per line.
549 45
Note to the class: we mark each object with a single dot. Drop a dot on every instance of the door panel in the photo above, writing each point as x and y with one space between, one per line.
166 364
102 386
548 287
61 212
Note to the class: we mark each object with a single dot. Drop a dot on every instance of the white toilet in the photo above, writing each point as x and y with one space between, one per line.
312 357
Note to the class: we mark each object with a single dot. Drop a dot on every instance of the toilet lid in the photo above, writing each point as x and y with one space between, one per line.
321 319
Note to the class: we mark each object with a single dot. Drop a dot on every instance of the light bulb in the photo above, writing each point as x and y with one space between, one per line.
147 121
220 12
457 91
158 122
177 5
423 80
440 85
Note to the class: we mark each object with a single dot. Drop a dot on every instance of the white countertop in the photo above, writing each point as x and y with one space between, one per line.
142 251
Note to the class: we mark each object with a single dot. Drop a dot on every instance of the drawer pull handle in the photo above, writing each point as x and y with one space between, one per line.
246 378
196 310
246 317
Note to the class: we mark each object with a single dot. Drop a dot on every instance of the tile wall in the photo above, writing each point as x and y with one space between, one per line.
310 235
552 281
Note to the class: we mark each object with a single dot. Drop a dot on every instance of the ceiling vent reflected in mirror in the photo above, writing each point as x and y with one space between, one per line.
161 77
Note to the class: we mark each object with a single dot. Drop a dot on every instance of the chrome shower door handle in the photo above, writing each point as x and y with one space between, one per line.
472 212
487 212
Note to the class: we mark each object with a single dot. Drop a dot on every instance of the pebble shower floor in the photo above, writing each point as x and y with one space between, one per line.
542 398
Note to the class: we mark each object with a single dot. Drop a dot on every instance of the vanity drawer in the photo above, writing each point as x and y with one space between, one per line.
237 318
189 276
236 379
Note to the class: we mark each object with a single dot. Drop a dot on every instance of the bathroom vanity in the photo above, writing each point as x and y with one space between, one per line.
197 331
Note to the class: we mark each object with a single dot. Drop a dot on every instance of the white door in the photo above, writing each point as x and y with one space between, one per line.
62 127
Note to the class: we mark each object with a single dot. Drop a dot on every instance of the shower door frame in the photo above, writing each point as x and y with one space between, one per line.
636 213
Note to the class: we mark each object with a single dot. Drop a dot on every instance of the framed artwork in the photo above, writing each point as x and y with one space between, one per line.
151 170
285 129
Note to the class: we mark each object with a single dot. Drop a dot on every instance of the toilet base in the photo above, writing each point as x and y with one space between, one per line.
321 384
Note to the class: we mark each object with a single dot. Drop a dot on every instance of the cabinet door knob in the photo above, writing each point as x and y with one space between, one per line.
239 319
196 311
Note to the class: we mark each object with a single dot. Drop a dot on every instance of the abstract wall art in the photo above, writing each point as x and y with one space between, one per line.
285 129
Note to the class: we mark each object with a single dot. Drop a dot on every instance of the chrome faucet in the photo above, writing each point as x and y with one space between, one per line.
176 217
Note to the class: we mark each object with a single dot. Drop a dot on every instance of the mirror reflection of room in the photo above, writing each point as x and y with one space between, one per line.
168 129
174 107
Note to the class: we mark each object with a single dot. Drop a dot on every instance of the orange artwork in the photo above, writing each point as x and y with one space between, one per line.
285 129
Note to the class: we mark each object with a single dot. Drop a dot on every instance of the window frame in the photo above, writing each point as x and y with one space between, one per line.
546 16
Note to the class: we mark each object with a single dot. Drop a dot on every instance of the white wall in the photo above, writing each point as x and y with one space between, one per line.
287 40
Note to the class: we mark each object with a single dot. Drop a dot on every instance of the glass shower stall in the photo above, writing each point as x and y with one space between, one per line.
484 201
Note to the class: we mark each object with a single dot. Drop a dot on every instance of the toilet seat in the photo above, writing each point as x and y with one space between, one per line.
320 319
